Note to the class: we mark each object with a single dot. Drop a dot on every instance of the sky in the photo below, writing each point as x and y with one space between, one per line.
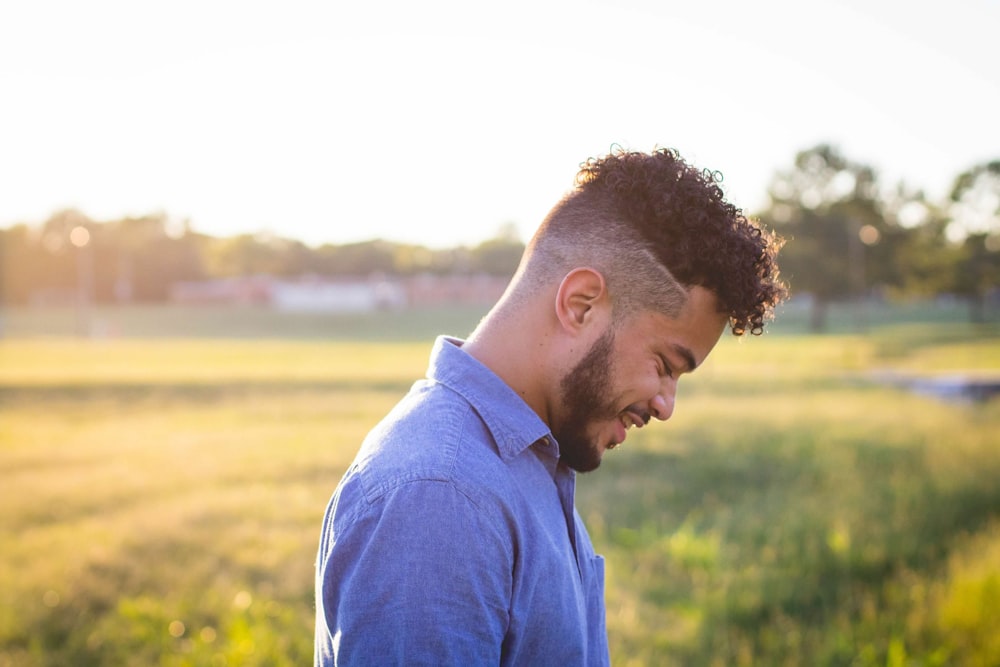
438 122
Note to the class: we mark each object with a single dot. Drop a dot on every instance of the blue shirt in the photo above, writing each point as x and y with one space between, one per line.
453 539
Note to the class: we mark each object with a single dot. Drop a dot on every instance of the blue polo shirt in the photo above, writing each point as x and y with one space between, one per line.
453 539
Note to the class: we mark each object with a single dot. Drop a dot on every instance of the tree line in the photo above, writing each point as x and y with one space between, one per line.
848 236
137 259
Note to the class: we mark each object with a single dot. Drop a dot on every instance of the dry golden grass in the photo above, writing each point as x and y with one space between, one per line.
160 503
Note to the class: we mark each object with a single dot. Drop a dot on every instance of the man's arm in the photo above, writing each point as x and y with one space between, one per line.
420 576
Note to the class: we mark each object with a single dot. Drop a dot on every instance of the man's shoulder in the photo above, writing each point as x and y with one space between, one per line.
433 434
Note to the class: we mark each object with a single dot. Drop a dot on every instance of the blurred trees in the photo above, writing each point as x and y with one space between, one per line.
827 207
975 214
125 260
143 257
138 259
849 237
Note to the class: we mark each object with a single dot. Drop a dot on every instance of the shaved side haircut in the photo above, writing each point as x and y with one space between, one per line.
655 226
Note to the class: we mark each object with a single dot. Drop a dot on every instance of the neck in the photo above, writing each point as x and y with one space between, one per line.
520 359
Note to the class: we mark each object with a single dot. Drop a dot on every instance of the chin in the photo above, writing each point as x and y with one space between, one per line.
581 456
585 466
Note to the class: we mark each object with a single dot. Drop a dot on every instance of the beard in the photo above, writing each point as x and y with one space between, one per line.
585 392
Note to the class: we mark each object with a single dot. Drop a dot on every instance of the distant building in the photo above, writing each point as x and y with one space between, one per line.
355 294
454 289
343 296
53 296
242 290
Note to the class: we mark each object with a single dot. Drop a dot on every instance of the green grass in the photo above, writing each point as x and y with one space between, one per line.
789 519
160 500
194 499
235 322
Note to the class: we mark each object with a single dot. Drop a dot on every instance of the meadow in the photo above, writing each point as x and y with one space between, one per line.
162 486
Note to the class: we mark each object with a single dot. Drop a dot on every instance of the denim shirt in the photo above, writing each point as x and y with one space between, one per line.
453 539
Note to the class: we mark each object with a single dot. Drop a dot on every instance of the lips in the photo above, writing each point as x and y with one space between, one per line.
626 420
632 417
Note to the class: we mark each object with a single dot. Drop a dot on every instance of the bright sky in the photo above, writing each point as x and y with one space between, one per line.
438 121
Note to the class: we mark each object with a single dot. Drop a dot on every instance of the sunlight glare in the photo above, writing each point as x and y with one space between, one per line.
869 235
79 236
243 600
176 629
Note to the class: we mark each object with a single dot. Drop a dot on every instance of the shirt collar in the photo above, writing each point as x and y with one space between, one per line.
513 424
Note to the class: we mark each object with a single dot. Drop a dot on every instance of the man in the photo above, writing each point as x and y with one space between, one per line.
453 538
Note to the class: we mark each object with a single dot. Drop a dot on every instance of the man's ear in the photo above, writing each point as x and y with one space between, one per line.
582 297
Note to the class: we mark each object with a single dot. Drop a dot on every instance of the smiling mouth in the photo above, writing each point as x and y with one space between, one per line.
628 419
632 417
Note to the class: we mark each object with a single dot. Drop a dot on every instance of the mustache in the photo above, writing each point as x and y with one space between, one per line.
643 415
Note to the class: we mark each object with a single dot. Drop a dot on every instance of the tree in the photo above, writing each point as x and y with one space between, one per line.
358 259
21 264
975 222
840 244
500 255
926 259
146 255
977 271
244 255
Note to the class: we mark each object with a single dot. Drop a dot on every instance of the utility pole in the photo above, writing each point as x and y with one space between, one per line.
79 237
856 271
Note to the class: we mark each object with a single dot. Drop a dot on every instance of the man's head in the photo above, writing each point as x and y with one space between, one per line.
647 263
627 284
655 226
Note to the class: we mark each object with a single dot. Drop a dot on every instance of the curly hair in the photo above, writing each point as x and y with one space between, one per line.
682 217
655 226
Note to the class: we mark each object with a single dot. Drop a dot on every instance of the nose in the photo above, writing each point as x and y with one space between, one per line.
662 405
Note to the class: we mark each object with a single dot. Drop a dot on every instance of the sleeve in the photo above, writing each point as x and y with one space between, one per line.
422 576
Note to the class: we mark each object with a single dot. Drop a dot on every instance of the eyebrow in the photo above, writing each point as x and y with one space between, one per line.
688 357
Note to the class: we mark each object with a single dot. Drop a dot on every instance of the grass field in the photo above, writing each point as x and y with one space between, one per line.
161 494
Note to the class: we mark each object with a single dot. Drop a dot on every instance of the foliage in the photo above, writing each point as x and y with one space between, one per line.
977 271
840 238
851 237
121 261
975 198
139 259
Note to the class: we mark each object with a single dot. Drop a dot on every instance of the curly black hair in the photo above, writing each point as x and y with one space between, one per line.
684 219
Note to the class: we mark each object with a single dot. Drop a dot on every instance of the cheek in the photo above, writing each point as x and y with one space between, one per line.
640 383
